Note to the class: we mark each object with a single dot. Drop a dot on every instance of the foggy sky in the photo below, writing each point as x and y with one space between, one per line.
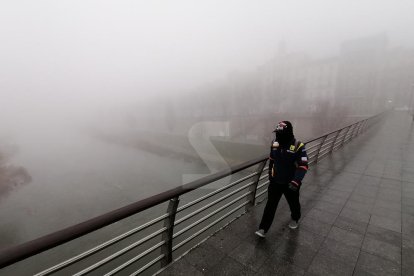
78 55
64 63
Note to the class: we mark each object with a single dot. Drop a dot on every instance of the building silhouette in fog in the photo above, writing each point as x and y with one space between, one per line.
365 77
362 65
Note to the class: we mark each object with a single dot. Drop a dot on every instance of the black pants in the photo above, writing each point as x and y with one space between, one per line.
275 192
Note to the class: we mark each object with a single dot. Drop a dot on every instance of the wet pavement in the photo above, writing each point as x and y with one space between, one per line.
357 217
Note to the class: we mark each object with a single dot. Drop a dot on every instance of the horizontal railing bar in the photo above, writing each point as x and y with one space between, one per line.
338 142
340 137
348 138
313 146
100 247
311 152
325 153
263 184
261 193
263 177
145 267
179 233
332 132
121 252
329 141
327 145
177 222
209 226
216 192
19 252
330 138
136 258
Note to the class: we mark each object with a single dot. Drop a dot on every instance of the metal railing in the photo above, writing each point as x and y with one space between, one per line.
170 235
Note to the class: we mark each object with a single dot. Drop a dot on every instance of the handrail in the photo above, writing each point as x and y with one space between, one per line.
25 250
17 253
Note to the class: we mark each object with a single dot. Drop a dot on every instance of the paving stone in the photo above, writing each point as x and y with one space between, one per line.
387 204
385 212
368 191
243 226
382 234
382 249
351 239
393 224
356 215
296 254
336 193
408 210
204 257
374 265
326 265
342 187
322 216
334 199
250 255
181 268
363 199
406 201
315 226
329 207
229 266
340 251
359 206
304 237
408 256
224 241
389 192
351 225
278 266
368 180
408 225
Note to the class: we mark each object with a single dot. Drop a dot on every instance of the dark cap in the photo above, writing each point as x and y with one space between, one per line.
284 125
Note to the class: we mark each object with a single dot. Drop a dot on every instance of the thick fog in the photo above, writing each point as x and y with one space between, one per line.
113 101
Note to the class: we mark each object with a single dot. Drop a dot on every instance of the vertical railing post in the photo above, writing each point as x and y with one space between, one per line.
350 132
319 149
334 140
360 124
364 125
360 127
343 139
253 188
355 131
167 236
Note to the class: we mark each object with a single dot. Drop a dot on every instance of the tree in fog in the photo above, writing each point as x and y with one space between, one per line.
11 176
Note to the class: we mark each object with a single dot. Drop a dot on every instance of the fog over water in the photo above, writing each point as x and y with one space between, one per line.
97 98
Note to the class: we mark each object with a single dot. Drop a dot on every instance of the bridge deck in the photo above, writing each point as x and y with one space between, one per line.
358 217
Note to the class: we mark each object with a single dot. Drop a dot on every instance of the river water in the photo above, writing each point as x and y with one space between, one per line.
75 176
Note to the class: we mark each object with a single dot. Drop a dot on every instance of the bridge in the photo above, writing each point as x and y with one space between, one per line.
358 217
357 205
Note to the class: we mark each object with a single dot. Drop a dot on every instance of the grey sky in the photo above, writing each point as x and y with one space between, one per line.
82 52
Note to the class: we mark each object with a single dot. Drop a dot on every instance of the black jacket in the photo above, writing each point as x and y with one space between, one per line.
288 163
